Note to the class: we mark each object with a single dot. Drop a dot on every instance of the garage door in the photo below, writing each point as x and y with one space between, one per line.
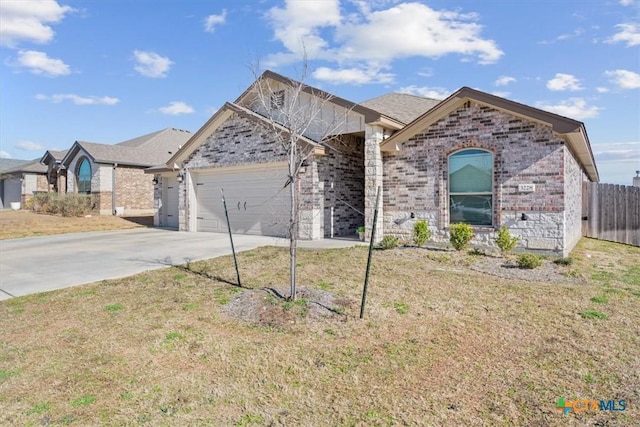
257 200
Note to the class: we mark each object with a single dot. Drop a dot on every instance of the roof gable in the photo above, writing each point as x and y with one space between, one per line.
221 116
572 131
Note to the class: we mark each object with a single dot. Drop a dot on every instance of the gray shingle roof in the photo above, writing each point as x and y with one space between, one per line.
147 150
6 164
401 106
26 166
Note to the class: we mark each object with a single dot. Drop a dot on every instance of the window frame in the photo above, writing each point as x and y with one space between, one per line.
78 168
475 193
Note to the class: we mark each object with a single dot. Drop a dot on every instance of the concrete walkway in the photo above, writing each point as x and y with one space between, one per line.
38 264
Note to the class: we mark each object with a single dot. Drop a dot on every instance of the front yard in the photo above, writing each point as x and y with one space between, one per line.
23 223
441 343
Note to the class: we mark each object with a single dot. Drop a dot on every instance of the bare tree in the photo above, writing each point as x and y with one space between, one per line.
295 114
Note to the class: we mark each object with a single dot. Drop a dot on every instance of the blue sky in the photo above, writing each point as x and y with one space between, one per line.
107 71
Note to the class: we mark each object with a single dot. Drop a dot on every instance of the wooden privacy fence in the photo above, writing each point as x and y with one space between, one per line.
611 212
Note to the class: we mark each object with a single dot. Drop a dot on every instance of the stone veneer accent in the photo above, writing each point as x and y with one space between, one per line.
373 165
416 179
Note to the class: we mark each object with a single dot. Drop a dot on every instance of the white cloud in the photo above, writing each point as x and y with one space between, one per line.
602 89
78 100
352 76
212 20
573 108
505 80
150 64
29 21
625 79
4 155
40 63
367 39
425 33
29 146
626 2
628 33
427 92
175 108
297 26
564 82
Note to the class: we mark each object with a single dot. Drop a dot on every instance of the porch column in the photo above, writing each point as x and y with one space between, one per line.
372 180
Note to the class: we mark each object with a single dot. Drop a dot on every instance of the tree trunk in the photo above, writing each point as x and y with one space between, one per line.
293 222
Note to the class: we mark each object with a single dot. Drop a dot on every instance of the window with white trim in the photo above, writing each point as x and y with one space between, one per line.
471 187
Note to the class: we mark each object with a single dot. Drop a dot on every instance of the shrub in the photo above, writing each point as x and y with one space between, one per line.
421 232
564 261
529 261
505 241
461 235
389 242
70 204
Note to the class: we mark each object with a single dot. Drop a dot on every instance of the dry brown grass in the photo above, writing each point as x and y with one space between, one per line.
440 345
17 224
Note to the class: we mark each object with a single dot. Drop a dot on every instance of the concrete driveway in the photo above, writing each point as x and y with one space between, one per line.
38 264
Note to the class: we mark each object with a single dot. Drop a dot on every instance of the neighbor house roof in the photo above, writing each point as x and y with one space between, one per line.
147 150
401 106
572 131
54 155
210 126
31 166
6 164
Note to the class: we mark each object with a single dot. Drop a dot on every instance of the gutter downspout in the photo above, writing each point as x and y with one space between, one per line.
113 188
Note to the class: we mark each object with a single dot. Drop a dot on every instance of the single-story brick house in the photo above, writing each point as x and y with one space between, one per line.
473 158
114 174
19 179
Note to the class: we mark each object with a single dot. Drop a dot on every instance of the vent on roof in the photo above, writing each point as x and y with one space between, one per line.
277 100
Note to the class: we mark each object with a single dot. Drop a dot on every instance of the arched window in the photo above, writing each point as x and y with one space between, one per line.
471 187
84 177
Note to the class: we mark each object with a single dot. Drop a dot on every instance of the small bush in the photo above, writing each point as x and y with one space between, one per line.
70 204
529 261
421 232
461 235
505 241
564 261
389 242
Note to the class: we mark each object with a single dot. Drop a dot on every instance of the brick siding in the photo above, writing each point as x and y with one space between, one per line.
416 178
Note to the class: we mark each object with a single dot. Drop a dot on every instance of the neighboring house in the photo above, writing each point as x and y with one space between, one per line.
19 179
114 174
56 173
473 158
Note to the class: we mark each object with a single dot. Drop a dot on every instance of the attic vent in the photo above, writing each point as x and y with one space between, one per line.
277 100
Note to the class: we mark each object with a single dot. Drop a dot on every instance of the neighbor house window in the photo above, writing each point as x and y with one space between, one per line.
471 187
84 177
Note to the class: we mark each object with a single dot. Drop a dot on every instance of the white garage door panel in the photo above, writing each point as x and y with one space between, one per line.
256 200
